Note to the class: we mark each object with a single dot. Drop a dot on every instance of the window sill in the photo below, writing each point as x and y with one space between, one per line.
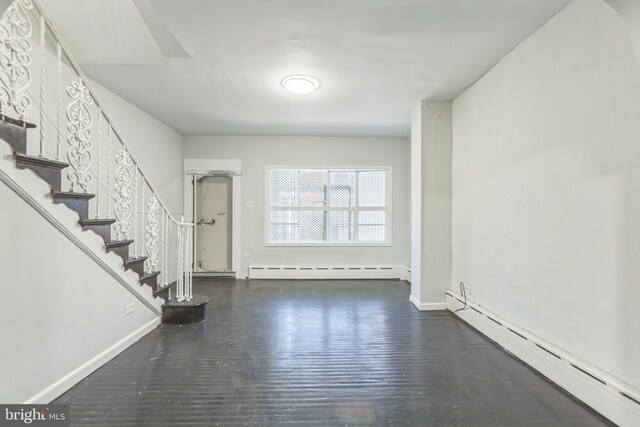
329 244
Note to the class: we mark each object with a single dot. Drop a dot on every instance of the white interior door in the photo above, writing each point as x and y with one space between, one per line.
213 223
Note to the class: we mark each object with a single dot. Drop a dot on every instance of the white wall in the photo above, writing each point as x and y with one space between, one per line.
60 309
546 188
157 146
256 152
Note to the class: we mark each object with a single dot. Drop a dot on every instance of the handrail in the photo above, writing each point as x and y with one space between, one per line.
151 225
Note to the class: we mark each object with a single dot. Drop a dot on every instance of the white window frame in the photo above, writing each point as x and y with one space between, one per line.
388 208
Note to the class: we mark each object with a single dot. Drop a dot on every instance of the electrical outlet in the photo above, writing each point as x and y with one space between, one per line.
247 254
129 308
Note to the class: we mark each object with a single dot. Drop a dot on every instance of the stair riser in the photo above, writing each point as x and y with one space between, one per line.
80 206
121 251
16 137
152 281
103 231
51 175
137 268
164 293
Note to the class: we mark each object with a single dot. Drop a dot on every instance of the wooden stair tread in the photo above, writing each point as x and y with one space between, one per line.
40 161
17 122
117 243
97 221
72 195
163 289
135 260
150 275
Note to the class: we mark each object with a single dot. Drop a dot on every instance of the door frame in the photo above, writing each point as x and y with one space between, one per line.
221 178
233 167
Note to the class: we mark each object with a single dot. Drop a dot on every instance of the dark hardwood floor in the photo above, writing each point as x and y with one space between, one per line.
319 353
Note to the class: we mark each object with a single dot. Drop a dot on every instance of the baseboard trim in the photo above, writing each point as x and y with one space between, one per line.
72 378
325 272
607 395
427 306
405 273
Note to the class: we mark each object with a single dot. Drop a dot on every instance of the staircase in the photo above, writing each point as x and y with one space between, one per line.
142 222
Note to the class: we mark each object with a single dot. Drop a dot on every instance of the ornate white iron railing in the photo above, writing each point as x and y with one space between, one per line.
121 187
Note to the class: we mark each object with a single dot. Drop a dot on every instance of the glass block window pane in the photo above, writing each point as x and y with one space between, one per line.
372 188
341 226
284 187
342 189
371 233
312 188
371 217
283 233
312 227
284 217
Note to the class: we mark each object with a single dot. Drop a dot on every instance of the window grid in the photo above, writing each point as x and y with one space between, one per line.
329 229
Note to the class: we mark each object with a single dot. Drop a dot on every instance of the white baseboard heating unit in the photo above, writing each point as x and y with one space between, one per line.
328 272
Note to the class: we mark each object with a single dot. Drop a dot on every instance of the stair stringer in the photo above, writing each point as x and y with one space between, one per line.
37 193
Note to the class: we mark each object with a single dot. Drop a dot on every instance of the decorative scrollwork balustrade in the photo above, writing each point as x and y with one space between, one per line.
122 189
114 177
15 58
79 127
153 234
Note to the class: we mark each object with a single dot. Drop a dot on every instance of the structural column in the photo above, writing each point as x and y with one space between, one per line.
431 147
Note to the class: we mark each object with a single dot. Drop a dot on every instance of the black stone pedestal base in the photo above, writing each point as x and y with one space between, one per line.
182 313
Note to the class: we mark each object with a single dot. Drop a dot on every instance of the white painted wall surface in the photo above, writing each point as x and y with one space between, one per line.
256 152
60 308
157 146
546 188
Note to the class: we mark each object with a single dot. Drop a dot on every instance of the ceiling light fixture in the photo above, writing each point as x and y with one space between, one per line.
300 85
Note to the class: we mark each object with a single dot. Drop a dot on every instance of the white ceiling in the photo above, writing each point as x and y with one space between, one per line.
375 59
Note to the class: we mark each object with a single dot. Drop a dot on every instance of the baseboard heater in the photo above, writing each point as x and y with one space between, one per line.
215 274
615 400
328 272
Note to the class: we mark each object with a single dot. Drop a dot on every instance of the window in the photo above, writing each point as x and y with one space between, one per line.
328 207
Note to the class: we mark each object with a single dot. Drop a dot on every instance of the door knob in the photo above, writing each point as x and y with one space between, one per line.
202 221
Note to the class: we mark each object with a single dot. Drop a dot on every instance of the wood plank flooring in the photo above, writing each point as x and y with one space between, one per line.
319 353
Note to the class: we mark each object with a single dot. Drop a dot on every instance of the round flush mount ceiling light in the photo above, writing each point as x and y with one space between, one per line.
300 85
